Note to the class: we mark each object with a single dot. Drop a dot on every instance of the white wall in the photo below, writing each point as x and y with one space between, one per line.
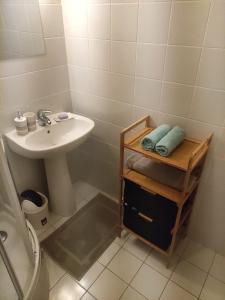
32 83
130 58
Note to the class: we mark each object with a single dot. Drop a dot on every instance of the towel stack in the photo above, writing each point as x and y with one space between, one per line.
162 173
164 139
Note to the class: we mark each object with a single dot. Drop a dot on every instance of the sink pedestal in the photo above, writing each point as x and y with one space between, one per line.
62 201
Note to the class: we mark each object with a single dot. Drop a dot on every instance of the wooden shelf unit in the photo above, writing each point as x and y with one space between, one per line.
188 157
157 187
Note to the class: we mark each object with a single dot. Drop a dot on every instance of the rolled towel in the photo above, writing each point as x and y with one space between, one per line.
150 140
170 141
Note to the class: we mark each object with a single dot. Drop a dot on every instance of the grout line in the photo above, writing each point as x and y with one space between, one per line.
154 111
57 281
208 273
136 60
111 40
143 262
199 61
105 266
87 289
164 289
172 270
101 271
216 278
60 277
128 284
184 288
133 76
166 55
78 37
33 71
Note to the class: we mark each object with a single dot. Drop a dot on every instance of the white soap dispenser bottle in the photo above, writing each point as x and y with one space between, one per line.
21 124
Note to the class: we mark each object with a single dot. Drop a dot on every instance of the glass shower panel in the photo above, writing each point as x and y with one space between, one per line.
17 246
7 290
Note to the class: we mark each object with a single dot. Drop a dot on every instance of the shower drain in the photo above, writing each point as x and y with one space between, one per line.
3 236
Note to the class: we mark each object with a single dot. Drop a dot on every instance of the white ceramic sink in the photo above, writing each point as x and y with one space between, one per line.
51 143
57 138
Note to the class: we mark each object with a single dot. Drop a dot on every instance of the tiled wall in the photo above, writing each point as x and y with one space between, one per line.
32 83
129 58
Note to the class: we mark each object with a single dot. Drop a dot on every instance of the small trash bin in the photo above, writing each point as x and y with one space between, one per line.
38 216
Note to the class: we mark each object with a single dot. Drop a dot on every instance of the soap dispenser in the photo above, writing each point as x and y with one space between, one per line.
21 124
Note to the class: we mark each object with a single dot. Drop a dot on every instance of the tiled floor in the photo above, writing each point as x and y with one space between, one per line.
129 270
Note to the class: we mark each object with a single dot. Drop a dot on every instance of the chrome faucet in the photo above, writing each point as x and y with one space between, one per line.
43 120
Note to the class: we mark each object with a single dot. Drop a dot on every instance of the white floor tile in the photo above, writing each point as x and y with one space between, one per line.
87 296
81 204
199 255
109 253
43 229
189 277
174 292
54 270
82 190
121 241
53 218
91 275
218 268
137 248
125 265
149 283
66 289
181 246
60 222
131 294
159 262
42 236
213 290
107 287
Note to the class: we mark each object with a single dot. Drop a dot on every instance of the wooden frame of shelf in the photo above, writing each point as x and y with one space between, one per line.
188 157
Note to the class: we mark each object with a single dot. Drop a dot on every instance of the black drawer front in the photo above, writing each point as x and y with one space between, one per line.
154 206
151 231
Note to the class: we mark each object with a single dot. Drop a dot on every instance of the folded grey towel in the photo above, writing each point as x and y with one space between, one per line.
159 172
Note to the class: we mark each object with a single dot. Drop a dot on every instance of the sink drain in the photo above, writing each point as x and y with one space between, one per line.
3 236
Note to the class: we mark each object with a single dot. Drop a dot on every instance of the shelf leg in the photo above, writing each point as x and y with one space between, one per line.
168 262
119 231
175 232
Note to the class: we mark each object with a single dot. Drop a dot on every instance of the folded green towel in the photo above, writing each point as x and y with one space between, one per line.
151 139
170 141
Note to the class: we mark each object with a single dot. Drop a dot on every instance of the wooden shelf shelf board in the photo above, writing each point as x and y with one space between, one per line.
179 158
156 187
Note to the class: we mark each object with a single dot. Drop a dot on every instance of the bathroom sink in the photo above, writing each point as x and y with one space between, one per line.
51 143
46 141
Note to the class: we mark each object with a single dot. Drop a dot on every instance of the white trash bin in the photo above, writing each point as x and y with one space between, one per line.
38 216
